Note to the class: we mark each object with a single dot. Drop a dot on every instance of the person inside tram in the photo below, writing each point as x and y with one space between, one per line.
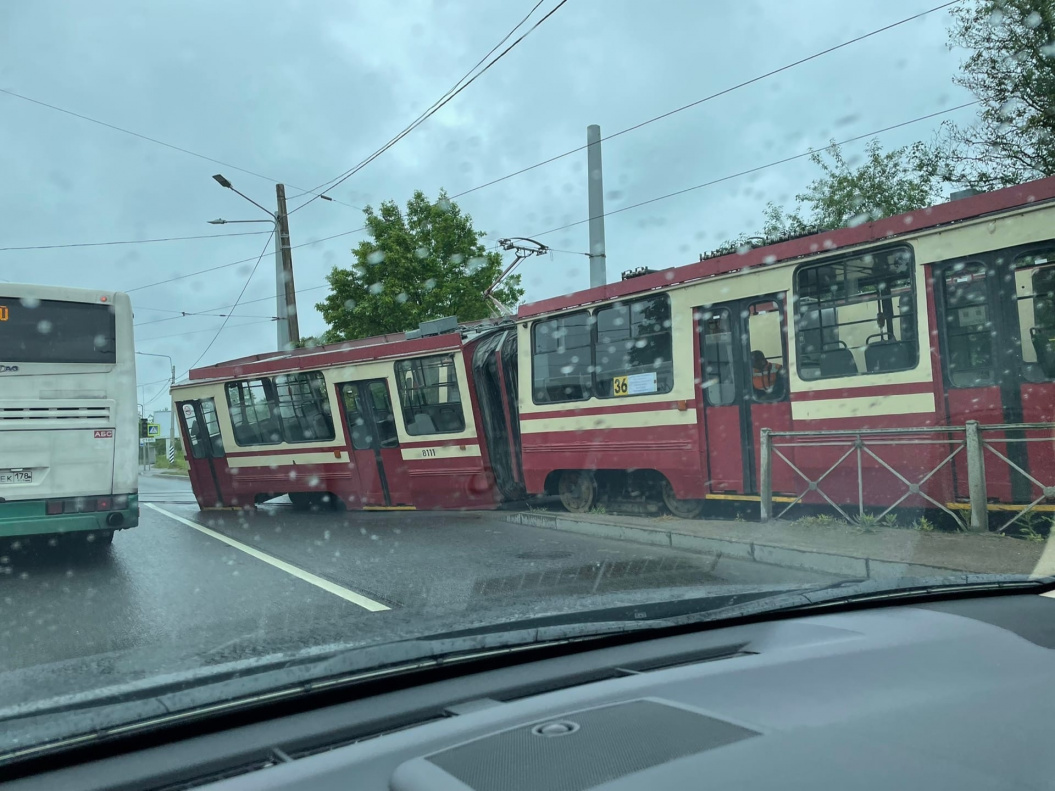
765 374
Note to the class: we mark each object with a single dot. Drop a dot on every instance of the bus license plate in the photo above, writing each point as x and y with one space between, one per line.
16 476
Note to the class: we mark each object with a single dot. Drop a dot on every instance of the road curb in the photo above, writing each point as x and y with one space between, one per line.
770 554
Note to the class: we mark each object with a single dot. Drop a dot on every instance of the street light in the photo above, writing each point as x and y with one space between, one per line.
284 291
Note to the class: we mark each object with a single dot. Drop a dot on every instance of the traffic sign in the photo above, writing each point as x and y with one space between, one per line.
153 429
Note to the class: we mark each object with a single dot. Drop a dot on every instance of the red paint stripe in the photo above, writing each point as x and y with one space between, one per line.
909 388
279 451
636 434
610 409
916 419
442 443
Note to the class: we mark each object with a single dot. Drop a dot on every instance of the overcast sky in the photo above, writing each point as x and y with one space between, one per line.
301 90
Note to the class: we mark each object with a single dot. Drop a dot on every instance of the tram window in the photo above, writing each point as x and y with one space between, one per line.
1035 296
633 353
302 406
718 352
381 406
562 359
765 334
428 393
968 326
855 315
361 433
198 449
252 419
212 426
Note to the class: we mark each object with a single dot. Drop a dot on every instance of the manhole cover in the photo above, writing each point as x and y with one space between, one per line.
543 555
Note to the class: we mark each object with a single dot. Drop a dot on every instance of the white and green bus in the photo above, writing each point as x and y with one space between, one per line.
69 428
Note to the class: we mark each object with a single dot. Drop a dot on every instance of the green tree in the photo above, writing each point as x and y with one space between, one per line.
423 263
1011 70
846 194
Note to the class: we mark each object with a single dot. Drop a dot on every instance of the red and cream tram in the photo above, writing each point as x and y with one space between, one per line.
659 385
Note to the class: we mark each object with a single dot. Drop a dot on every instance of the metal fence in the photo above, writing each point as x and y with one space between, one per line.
973 441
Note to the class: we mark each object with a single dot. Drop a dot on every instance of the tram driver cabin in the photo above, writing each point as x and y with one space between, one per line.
658 386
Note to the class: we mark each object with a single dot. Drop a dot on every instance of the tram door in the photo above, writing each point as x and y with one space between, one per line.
374 444
206 457
996 314
743 350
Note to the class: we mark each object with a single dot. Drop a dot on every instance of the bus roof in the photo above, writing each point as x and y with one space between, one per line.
60 293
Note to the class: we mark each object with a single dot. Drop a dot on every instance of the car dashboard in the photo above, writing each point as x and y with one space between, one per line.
951 694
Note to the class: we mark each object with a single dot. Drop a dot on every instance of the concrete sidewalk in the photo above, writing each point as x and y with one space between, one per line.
873 552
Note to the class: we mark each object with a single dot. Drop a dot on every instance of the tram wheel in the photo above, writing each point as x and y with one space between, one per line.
683 509
303 501
577 490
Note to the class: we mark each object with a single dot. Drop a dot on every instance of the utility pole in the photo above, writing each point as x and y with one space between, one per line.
598 263
286 291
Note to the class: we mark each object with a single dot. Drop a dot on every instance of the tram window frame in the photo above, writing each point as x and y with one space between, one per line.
588 365
778 390
249 433
804 292
307 400
212 426
722 391
967 376
413 386
664 337
1034 369
256 426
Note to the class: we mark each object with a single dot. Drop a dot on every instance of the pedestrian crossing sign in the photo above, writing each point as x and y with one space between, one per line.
153 429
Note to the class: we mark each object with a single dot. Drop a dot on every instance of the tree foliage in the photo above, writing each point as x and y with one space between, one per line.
424 262
1011 70
849 193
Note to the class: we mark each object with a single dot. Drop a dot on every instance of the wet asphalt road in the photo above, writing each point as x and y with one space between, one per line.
169 590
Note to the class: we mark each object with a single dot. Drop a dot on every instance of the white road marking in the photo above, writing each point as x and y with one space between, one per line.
299 573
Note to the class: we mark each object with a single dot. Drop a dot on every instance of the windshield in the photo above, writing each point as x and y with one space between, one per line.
534 313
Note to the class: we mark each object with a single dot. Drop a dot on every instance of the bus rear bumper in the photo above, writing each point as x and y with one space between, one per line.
30 518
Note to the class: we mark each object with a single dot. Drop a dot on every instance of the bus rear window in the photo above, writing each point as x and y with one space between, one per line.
53 331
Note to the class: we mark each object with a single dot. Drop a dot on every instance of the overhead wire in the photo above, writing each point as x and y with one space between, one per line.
156 141
189 314
758 168
608 137
237 300
240 261
207 329
713 96
132 241
224 307
436 107
459 82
